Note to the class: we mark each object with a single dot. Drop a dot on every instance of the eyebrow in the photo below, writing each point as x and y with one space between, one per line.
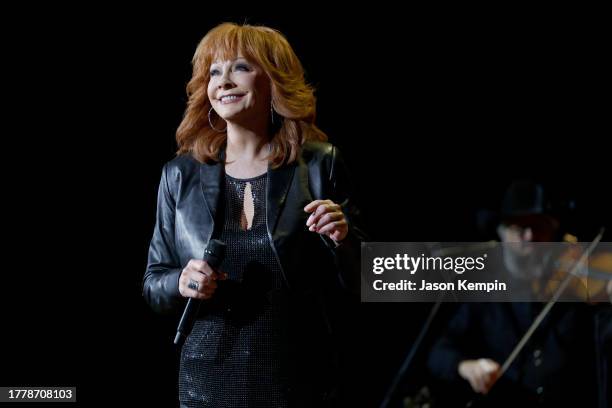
235 60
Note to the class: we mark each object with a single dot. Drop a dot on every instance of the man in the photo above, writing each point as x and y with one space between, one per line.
557 367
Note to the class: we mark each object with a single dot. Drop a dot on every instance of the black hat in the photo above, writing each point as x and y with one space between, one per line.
525 203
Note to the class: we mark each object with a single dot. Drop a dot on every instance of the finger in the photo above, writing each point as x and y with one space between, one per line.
484 371
191 275
316 211
338 236
312 205
483 364
323 207
327 218
195 264
326 207
474 383
206 291
205 269
194 283
487 364
333 226
187 278
193 293
203 278
208 270
480 387
321 211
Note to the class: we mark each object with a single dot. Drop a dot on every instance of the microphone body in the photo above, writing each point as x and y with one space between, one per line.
213 255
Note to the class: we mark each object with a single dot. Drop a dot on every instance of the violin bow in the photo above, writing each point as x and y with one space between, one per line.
544 312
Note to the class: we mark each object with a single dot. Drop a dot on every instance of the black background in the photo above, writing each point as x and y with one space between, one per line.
435 113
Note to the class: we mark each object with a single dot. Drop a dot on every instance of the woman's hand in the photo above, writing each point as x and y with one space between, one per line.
327 218
481 373
198 280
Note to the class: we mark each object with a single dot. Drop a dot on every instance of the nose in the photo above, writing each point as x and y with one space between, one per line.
226 82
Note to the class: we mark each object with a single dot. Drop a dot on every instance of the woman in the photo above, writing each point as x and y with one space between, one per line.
254 171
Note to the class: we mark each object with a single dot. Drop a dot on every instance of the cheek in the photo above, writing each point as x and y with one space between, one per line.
210 91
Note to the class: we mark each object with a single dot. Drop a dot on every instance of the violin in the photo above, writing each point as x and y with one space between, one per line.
591 282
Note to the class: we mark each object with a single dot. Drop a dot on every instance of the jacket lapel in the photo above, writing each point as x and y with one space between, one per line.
211 177
279 181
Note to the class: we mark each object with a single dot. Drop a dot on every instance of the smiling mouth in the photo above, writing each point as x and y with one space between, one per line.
230 98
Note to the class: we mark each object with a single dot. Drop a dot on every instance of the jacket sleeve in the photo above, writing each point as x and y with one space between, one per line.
160 284
452 347
347 253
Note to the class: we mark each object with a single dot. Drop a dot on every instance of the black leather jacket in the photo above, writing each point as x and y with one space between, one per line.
188 198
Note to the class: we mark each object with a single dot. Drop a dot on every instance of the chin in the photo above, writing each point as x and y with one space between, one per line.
236 115
231 117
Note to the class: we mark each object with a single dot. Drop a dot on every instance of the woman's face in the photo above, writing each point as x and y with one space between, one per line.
239 90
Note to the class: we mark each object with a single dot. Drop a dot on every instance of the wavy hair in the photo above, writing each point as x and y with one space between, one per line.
293 100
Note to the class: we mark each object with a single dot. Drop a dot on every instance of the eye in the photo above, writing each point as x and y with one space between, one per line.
243 67
214 72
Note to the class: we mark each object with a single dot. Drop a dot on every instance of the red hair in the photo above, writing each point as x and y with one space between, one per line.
293 99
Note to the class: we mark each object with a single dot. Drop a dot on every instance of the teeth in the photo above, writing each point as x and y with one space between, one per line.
229 98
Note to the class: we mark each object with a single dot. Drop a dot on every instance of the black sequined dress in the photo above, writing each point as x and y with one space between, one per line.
235 355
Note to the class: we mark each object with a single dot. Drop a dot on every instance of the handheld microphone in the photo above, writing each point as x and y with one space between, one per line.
213 255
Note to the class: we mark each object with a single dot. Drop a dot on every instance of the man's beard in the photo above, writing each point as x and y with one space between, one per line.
526 261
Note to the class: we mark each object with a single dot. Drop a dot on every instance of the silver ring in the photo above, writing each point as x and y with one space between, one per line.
193 285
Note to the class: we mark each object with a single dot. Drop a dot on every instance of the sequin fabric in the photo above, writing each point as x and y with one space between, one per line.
234 355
